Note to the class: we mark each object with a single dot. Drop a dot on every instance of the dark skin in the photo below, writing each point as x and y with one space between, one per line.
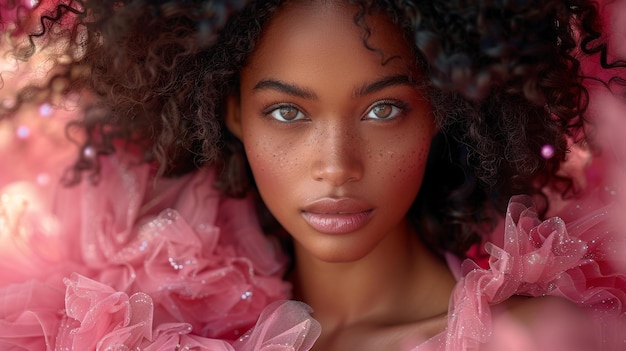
337 143
363 137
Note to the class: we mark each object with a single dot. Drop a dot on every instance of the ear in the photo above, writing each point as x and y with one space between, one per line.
232 116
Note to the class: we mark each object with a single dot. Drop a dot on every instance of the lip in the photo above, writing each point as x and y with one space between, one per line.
337 216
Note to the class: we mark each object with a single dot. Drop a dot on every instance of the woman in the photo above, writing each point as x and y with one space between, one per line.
353 120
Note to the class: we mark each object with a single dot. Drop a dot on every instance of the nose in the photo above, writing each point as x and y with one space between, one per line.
338 159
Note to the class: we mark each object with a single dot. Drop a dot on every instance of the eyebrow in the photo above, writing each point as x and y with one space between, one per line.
291 89
366 89
369 88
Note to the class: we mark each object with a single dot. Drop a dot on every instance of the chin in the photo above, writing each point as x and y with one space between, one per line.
339 255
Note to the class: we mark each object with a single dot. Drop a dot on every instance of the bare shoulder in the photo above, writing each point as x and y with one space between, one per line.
542 323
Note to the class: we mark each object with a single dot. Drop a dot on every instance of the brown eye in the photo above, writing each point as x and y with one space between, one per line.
385 110
286 113
382 111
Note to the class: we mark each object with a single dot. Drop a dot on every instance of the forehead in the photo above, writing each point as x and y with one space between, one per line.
329 30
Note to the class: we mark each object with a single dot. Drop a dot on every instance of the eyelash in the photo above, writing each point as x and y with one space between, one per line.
400 105
394 103
269 110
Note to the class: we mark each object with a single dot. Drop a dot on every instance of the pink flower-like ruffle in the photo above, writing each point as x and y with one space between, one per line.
100 318
183 256
540 258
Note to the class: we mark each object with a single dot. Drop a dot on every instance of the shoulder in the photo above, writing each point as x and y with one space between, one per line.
541 323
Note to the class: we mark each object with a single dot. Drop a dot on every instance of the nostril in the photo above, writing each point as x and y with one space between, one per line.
337 169
339 153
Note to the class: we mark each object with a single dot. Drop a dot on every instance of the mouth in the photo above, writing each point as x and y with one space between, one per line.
337 223
337 216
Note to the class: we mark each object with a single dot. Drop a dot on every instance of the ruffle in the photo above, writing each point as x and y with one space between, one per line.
283 326
130 262
578 261
100 318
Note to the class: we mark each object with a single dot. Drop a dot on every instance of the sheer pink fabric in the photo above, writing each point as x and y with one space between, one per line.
577 261
131 262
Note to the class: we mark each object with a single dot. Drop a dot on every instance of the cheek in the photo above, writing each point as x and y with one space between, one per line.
273 161
403 161
264 159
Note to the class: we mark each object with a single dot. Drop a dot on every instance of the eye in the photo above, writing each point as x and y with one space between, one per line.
385 110
285 113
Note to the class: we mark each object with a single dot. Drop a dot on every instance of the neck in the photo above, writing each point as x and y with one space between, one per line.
399 281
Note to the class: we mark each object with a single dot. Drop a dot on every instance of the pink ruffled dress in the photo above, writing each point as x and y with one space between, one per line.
581 261
133 262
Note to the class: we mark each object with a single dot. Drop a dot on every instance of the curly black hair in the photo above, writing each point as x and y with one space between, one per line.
502 78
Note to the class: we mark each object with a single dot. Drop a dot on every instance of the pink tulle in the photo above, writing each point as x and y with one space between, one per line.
282 326
131 262
541 258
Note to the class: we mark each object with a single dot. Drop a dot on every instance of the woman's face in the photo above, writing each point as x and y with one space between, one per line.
337 141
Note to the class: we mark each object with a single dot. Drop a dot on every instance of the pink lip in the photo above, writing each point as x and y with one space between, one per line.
337 216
